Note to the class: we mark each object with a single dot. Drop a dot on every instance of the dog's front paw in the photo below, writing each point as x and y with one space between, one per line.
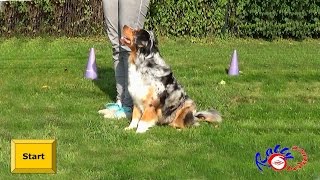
133 124
144 126
140 130
128 128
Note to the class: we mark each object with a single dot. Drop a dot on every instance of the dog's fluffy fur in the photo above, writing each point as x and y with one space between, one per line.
157 96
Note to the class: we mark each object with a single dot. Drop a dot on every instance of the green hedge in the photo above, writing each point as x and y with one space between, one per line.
187 17
54 17
198 18
278 18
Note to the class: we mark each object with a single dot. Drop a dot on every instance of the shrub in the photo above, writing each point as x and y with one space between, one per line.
187 17
198 18
278 18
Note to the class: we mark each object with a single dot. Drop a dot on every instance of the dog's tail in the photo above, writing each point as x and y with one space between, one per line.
211 116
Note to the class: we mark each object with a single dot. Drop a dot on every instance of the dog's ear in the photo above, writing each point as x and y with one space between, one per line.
153 38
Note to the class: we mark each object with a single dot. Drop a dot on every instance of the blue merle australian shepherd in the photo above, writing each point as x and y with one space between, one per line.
157 96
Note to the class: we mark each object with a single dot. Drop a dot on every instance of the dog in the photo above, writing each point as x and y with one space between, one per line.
157 96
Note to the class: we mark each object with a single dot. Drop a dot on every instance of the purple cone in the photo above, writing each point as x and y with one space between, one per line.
234 68
91 71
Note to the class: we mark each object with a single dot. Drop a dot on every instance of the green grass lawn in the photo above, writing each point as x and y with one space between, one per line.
275 100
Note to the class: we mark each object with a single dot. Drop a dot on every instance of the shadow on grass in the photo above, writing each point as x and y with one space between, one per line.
106 82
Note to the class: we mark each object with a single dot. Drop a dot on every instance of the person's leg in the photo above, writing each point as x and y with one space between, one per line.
111 13
132 13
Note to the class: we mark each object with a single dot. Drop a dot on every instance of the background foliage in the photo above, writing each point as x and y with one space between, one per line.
198 18
187 17
277 18
54 17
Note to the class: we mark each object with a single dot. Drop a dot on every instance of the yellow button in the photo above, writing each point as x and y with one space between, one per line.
33 156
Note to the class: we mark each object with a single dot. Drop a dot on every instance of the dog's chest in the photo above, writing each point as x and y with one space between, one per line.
141 80
138 86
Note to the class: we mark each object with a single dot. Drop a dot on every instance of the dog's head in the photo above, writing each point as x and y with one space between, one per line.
139 40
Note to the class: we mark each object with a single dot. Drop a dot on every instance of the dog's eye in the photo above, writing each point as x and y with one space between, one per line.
143 44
